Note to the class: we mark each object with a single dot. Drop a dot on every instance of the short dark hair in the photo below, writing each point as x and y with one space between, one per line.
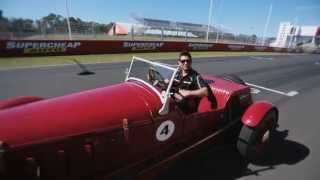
185 53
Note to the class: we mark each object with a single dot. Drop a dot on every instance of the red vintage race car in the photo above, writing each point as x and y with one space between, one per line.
131 129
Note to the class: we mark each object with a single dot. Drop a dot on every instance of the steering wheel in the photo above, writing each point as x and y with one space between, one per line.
156 78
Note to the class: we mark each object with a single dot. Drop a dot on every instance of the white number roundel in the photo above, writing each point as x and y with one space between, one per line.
165 130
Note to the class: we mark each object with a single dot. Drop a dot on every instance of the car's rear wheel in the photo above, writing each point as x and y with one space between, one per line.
253 142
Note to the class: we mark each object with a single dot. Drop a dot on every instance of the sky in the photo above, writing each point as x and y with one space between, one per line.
237 16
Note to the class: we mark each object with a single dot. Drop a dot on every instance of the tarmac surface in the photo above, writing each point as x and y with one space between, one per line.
290 82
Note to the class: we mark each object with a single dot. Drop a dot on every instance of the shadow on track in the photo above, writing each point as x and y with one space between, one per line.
227 164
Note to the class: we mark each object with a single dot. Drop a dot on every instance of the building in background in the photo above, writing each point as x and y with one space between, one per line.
293 36
116 29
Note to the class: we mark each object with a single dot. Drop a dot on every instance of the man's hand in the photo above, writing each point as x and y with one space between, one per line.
178 97
184 93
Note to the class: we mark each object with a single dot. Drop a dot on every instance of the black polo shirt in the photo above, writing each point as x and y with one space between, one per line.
191 81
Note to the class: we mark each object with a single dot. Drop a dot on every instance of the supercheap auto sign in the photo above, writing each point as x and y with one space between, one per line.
74 47
135 46
39 47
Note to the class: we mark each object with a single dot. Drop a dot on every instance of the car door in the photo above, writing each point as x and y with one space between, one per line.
168 128
202 121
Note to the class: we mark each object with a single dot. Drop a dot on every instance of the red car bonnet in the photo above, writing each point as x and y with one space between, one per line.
93 110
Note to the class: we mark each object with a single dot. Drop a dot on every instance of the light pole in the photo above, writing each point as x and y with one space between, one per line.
219 27
209 18
267 24
68 22
217 37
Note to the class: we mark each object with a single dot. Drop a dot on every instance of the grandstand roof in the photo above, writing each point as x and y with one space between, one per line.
172 25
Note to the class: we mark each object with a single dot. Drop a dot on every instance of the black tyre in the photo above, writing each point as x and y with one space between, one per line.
254 142
233 78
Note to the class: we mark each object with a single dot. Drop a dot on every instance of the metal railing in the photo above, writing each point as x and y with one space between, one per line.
92 31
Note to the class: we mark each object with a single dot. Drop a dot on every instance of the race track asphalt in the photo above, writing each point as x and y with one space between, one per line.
295 154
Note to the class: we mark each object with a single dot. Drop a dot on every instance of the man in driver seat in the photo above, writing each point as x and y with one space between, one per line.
188 82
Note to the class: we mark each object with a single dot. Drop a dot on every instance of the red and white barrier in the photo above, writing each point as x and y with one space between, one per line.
66 47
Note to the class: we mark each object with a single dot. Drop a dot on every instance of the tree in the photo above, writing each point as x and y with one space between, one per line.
4 23
52 23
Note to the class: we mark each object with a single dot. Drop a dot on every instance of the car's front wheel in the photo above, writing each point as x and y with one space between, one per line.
254 141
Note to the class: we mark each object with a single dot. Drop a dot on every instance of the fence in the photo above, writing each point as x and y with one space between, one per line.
55 27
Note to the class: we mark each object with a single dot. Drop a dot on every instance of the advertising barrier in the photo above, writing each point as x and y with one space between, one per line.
66 47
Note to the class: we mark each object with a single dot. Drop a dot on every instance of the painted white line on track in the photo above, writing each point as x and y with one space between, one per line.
254 91
261 58
289 94
317 63
56 65
33 67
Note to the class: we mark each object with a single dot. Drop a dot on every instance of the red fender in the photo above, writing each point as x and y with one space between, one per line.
254 114
16 101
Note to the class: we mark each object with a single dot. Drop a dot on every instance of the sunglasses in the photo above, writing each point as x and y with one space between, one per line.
185 61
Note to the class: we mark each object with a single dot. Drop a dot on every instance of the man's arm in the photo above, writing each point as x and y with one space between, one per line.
197 93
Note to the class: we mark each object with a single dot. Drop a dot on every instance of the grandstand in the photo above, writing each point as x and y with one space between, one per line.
172 28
